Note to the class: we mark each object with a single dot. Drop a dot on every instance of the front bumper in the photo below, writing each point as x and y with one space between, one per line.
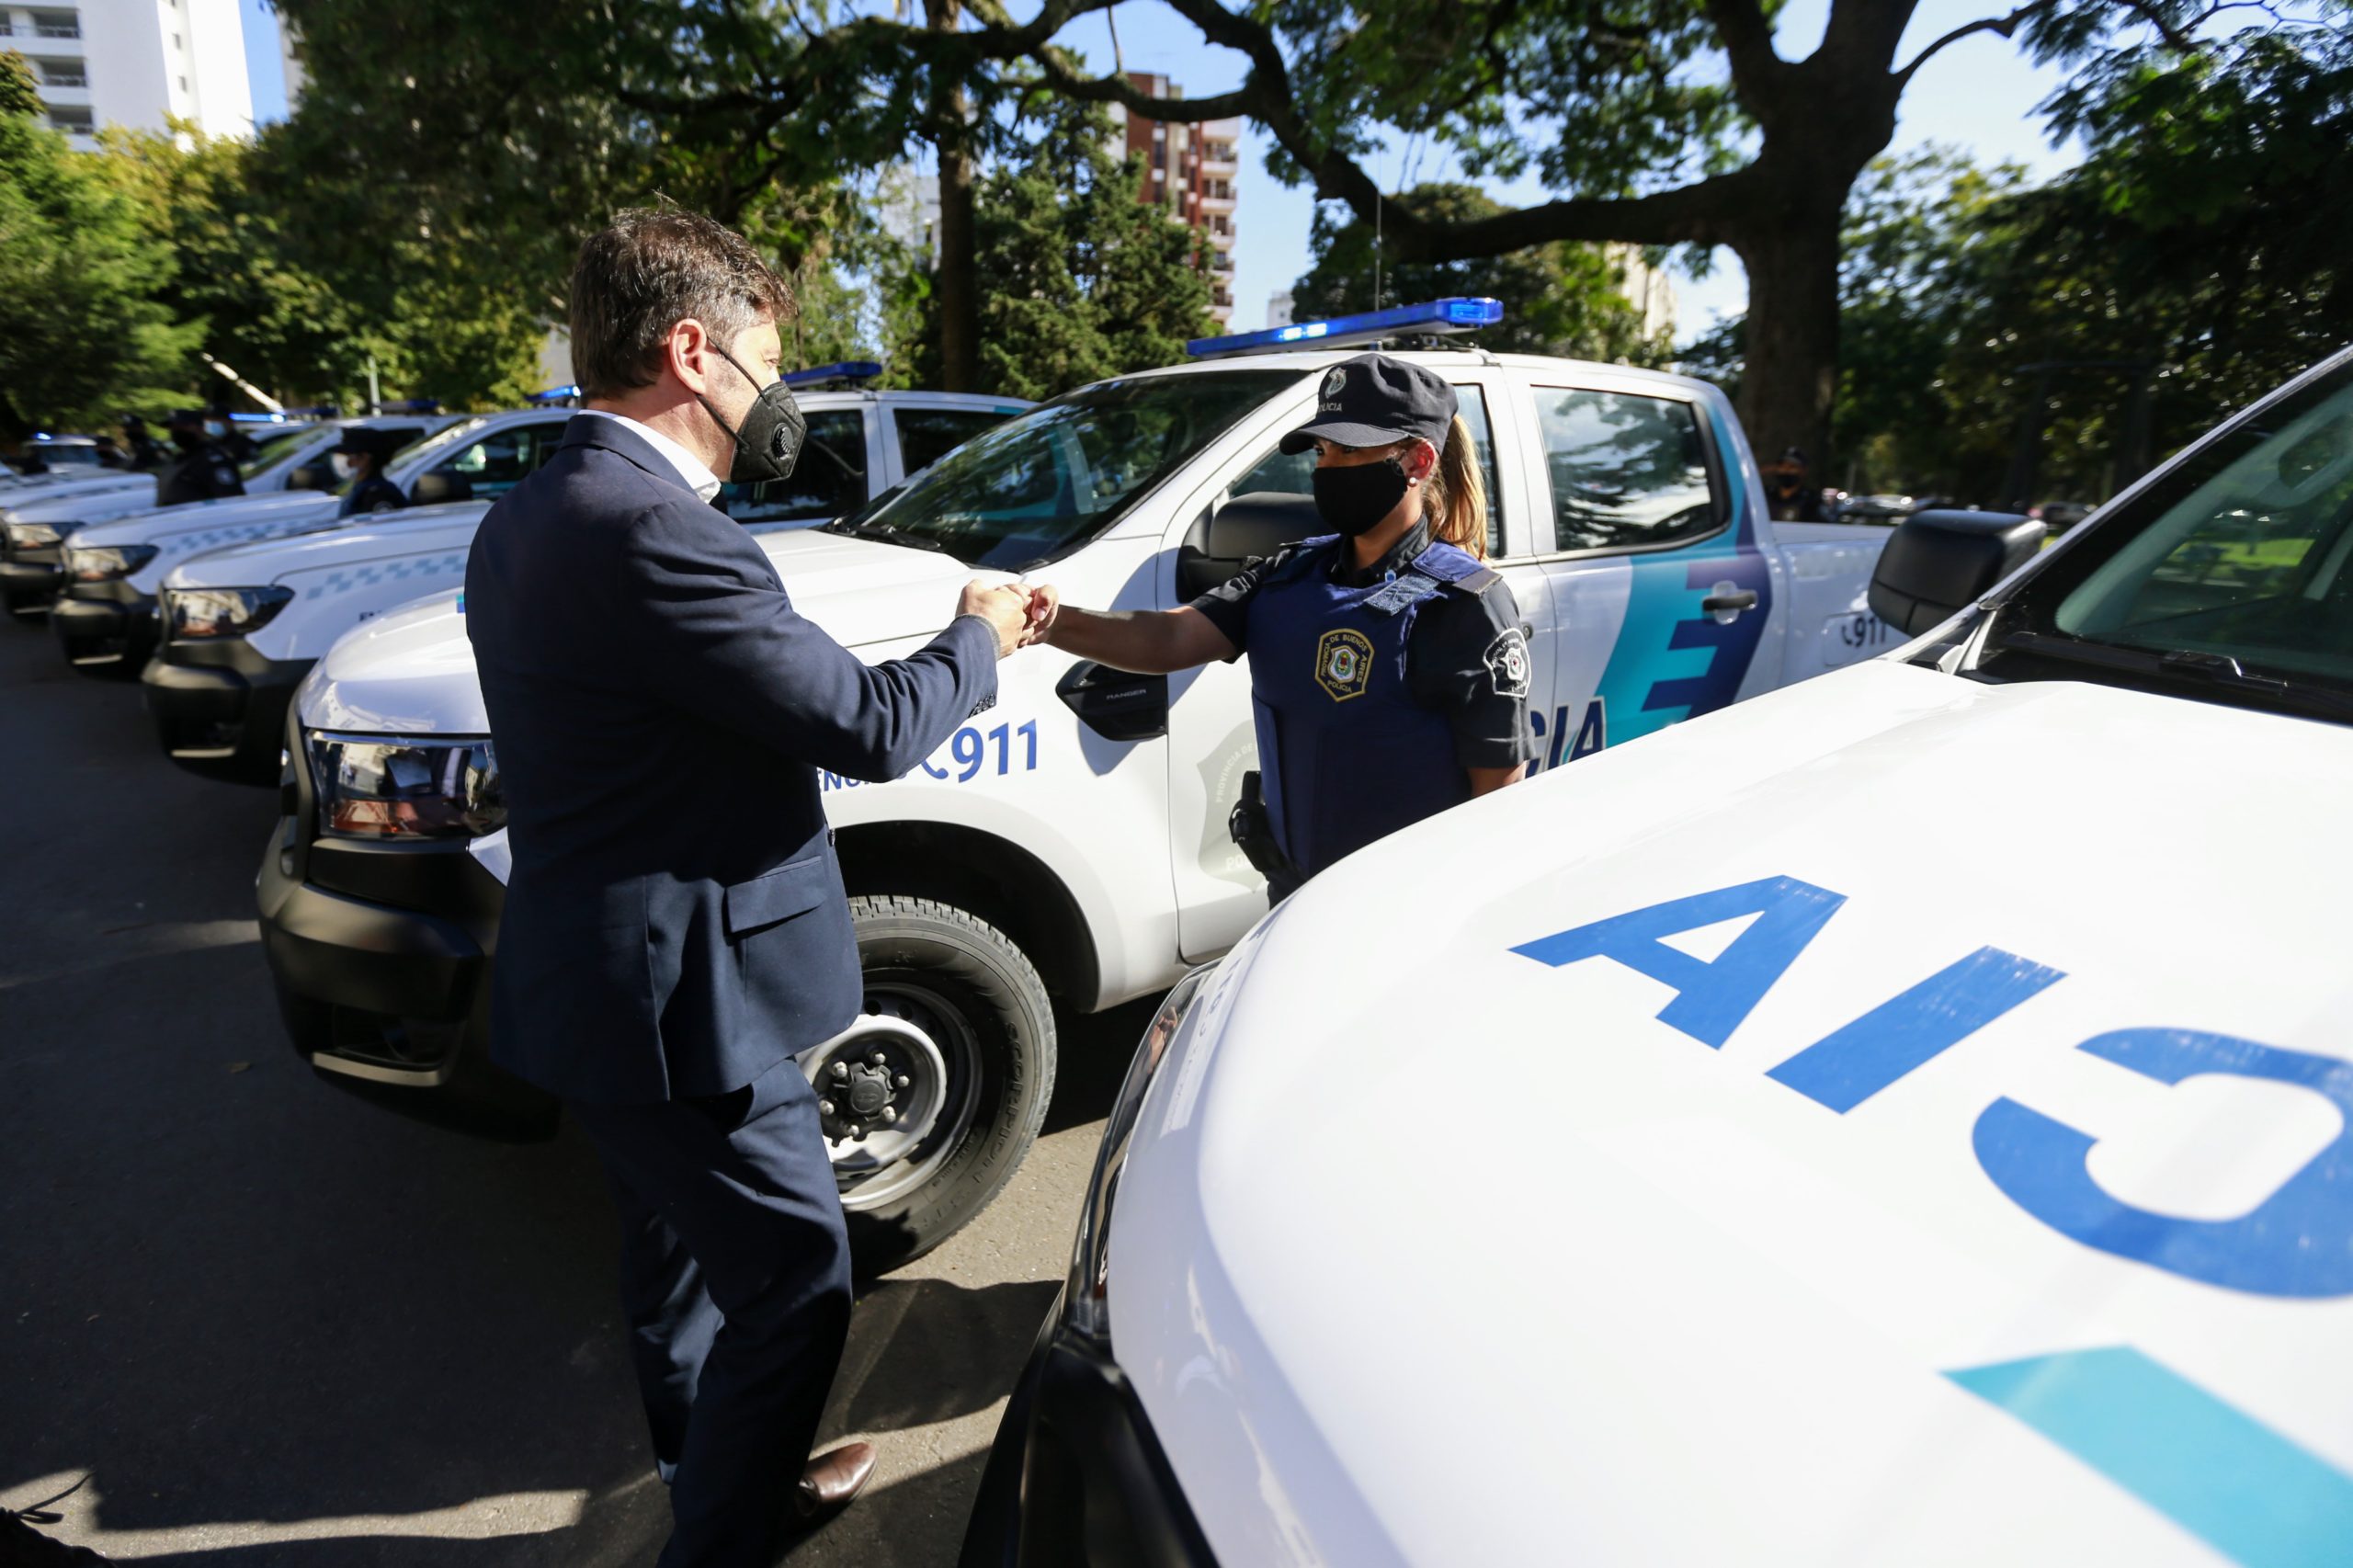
30 579
380 955
1075 1475
104 628
220 708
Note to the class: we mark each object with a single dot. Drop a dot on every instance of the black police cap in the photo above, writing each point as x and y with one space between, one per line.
1375 400
369 441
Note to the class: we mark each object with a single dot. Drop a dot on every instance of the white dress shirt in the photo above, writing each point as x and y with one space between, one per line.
691 472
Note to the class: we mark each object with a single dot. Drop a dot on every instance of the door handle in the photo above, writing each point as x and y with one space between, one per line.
1729 600
1114 704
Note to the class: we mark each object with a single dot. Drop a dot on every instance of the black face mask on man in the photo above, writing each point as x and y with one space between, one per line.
768 442
1354 498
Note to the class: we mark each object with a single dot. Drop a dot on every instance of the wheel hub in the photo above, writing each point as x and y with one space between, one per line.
881 1086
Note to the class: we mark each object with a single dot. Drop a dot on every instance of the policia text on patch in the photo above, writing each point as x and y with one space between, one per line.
1389 670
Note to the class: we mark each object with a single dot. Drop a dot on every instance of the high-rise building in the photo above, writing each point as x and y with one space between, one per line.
135 62
1190 170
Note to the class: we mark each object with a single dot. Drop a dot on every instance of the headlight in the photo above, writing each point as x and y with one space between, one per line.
417 787
32 536
104 562
1086 1305
222 612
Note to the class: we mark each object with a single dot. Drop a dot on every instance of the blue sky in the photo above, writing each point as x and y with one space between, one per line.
1978 95
262 64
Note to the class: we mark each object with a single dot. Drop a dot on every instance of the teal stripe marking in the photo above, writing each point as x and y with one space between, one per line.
2252 1494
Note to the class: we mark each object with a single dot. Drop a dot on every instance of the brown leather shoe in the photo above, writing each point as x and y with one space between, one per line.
831 1481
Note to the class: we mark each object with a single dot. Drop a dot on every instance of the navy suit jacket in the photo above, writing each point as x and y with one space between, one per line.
675 921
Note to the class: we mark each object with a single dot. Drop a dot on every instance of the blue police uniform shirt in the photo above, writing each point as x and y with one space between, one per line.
1374 690
373 493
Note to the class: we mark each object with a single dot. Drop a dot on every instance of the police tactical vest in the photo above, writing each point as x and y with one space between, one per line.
1345 754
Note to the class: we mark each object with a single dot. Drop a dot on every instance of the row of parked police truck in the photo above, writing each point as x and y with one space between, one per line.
1579 1140
1067 848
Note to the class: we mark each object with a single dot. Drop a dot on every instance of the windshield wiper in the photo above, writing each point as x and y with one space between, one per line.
884 533
2218 671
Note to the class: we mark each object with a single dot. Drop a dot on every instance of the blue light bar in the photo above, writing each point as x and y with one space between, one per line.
257 419
316 410
848 371
412 405
1428 319
554 394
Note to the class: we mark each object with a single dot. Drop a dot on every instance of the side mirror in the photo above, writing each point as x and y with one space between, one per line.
434 487
1938 562
1247 525
312 476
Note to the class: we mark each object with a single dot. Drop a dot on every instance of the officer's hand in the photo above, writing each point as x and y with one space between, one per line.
1044 605
1005 609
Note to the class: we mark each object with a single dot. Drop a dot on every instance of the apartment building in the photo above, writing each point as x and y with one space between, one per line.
135 62
1190 170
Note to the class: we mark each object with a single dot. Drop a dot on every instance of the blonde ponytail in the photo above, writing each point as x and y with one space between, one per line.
1454 497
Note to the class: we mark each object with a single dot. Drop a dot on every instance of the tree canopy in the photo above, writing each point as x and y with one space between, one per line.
1560 297
1079 278
83 336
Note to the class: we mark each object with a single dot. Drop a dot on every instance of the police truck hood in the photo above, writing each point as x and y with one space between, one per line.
1876 1231
383 535
412 670
42 489
206 525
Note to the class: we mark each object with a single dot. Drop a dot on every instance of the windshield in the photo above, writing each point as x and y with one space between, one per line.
1035 487
275 448
443 440
2235 564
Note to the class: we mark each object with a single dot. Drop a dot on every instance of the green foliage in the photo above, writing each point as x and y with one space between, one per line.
82 334
1079 278
1558 299
279 325
19 88
2207 231
1592 94
1920 237
2203 237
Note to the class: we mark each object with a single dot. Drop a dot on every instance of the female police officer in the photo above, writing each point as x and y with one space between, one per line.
1389 674
360 459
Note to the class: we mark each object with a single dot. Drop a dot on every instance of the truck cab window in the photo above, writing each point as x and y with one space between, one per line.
1627 471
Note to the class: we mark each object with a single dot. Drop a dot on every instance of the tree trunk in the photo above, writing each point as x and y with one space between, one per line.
1791 352
960 315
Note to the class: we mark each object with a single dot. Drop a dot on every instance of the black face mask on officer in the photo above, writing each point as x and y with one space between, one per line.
767 442
1354 497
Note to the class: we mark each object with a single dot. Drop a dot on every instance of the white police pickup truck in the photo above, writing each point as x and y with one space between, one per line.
1904 1120
36 521
1073 840
107 616
244 624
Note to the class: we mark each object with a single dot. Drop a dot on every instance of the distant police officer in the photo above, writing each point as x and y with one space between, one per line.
360 458
145 455
203 471
1787 494
1388 663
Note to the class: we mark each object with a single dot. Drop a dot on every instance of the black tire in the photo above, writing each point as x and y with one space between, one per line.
959 963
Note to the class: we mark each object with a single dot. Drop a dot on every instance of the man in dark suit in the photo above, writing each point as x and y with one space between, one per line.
674 927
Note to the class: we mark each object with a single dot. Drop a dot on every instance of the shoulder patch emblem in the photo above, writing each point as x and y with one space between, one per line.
1344 664
1507 669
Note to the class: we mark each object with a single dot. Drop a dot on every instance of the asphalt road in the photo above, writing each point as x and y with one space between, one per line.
273 1324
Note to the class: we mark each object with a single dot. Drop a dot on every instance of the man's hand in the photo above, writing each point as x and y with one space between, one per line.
1044 605
1005 609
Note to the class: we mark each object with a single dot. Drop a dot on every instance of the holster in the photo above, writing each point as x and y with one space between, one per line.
1252 828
